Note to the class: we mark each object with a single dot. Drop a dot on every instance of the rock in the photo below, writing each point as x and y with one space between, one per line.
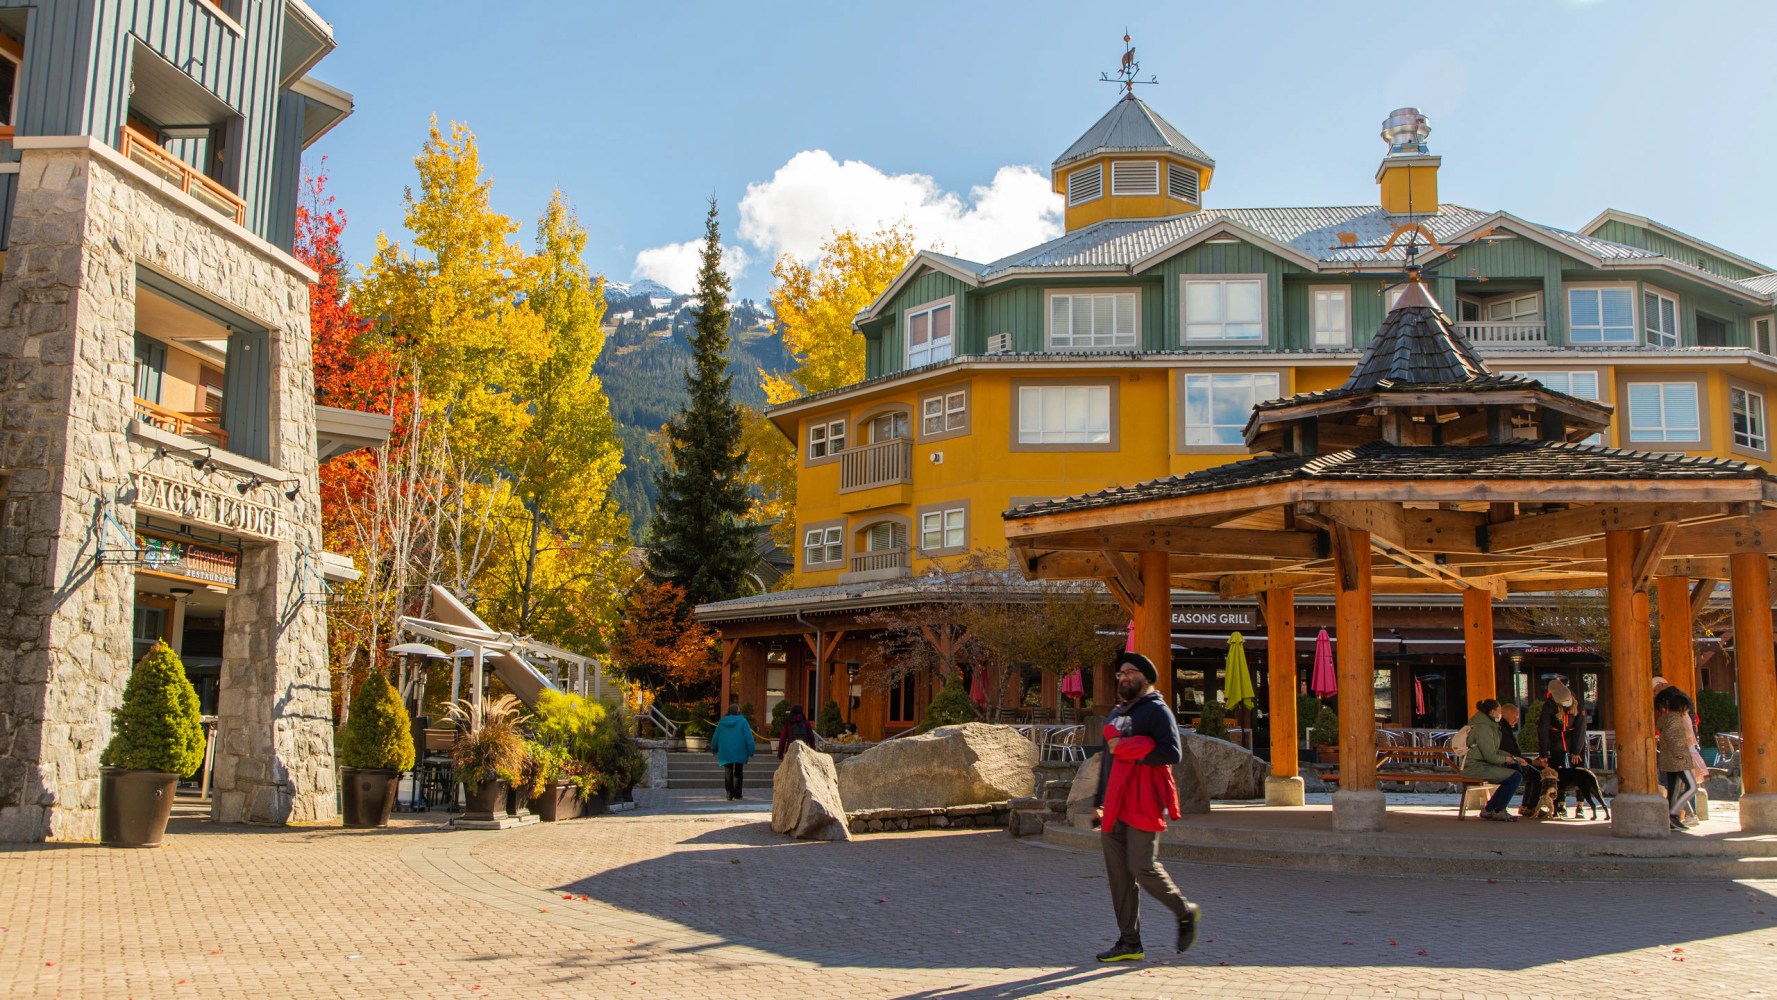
1079 797
949 766
805 799
1229 771
1721 787
1193 789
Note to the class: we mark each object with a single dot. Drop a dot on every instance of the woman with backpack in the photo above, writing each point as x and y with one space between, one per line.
796 727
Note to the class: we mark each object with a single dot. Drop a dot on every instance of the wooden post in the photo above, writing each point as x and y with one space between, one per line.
1477 644
729 649
1153 622
1637 811
1678 654
1357 805
1758 691
1284 787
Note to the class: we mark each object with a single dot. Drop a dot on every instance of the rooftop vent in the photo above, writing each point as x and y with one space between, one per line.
1405 130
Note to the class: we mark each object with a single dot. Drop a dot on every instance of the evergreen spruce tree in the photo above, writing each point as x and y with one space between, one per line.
700 541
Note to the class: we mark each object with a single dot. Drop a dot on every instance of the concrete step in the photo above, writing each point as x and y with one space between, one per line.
700 772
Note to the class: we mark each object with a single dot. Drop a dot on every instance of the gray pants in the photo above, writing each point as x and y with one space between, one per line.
1132 860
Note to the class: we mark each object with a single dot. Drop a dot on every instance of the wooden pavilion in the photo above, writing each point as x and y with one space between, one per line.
1426 472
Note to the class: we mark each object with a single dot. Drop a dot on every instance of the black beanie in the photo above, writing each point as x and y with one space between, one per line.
1141 663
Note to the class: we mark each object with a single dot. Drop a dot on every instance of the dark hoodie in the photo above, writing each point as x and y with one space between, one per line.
796 727
1145 716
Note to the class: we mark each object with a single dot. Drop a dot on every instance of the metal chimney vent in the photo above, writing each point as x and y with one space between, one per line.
1405 130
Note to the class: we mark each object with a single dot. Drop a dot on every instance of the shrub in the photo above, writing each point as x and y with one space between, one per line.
490 747
696 728
1214 721
779 712
1717 714
157 728
571 724
378 732
1326 727
1307 712
752 720
950 707
831 723
1528 739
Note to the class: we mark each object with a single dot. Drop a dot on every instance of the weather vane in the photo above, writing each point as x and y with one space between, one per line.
1128 71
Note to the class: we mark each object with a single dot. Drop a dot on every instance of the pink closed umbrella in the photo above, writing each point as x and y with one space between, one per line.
1324 682
1074 685
978 690
1129 644
1418 697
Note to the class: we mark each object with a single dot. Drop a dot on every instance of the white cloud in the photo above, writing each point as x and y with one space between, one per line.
675 265
813 194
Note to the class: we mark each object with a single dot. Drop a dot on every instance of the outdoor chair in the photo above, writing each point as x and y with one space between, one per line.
1063 746
434 772
1727 749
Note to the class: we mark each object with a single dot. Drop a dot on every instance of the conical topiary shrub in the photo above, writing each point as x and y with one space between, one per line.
378 732
157 726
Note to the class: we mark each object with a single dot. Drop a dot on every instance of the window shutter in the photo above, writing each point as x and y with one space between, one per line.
1135 177
1181 183
1085 185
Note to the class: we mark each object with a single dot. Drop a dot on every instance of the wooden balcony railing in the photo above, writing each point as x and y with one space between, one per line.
882 464
881 559
145 152
1503 333
204 426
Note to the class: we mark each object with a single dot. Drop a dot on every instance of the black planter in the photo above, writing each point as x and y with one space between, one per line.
487 802
367 794
515 802
134 806
560 800
596 804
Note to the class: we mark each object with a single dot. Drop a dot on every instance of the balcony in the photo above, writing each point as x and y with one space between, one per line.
886 463
880 564
202 426
145 152
1504 334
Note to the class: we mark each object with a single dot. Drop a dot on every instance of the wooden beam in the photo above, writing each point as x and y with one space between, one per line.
1757 670
1653 548
1477 647
1580 523
1280 667
1248 584
1678 654
1356 653
1631 669
1348 554
1700 594
729 647
1189 541
1153 626
1123 575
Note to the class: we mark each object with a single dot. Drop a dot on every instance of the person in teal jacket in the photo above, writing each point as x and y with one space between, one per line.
732 744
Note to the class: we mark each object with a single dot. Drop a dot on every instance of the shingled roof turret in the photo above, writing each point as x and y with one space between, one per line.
1416 346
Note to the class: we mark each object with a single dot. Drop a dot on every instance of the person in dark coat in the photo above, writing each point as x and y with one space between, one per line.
795 727
1131 842
1508 745
1561 728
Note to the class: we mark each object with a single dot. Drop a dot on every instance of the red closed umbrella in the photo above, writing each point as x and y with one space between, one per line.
1324 682
1073 685
978 689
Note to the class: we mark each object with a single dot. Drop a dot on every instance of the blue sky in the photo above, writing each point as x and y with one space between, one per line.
801 116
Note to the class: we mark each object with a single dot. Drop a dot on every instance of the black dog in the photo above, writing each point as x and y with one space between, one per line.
1582 784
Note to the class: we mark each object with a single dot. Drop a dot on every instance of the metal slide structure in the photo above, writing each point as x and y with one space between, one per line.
454 623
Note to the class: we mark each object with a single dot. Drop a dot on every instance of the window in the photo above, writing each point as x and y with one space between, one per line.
1094 320
942 529
1748 411
1513 309
823 545
885 536
1064 414
1228 309
1330 320
1761 335
209 382
12 55
1217 406
1135 177
1583 384
929 335
1392 296
1660 312
1085 185
1712 332
895 425
900 700
943 414
1181 183
151 367
1601 315
1664 411
826 440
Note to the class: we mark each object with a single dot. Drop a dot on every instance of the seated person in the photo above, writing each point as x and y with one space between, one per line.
1508 745
1486 762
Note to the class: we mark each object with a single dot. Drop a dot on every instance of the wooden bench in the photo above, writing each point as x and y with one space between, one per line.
1430 764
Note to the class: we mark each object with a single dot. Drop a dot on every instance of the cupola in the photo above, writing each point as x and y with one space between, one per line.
1132 164
1408 175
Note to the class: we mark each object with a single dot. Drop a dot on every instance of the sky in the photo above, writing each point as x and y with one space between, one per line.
802 117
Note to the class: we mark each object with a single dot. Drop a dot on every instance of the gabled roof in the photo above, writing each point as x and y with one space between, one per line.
1133 127
1614 215
1416 346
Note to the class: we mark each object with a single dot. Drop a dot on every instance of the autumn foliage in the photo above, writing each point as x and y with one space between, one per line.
659 645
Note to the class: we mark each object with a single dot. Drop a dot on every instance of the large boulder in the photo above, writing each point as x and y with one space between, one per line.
1187 774
1193 791
1229 770
805 800
949 766
1079 796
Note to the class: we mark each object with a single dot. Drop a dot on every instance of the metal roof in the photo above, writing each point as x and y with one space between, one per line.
1133 127
1764 284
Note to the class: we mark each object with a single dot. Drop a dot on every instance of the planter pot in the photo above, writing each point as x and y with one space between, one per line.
597 804
134 806
1327 754
560 800
516 803
697 744
367 794
487 802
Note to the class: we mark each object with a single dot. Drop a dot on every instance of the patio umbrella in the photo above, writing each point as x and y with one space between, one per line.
1237 679
1074 685
1418 697
1325 680
1129 644
978 689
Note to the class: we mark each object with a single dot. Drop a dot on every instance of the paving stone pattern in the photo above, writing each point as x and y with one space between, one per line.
700 901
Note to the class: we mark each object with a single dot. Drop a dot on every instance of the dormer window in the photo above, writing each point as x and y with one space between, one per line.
1086 184
930 333
1135 177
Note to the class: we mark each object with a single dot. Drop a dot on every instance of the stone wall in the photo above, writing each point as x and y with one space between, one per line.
83 222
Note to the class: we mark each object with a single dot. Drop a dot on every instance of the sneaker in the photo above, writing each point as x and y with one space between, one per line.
1121 952
1187 926
1500 817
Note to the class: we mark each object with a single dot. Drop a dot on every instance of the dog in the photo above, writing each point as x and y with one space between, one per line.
1545 802
1583 785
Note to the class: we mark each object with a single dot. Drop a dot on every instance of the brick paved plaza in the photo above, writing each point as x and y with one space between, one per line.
689 899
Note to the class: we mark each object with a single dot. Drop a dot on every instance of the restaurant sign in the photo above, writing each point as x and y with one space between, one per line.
1216 617
188 560
196 504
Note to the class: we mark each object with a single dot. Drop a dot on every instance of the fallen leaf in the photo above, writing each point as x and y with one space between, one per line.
1392 943
567 896
1493 881
1422 951
218 952
542 909
48 963
1678 951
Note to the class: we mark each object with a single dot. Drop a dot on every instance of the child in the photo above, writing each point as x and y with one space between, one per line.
1676 752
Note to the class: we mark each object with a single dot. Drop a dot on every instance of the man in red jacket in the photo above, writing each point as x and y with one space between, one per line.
1135 797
